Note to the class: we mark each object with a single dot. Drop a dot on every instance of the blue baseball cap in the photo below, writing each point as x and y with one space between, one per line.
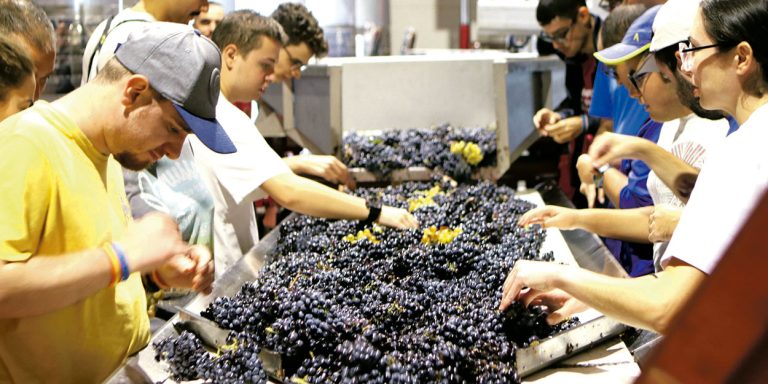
184 67
636 41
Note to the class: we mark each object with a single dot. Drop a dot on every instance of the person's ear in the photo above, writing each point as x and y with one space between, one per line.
583 15
744 59
136 92
228 55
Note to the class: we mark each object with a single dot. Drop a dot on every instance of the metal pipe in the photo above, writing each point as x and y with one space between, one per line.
464 25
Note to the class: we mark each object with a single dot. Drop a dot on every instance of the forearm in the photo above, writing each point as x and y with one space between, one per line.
46 283
314 199
648 302
668 167
613 182
623 224
295 165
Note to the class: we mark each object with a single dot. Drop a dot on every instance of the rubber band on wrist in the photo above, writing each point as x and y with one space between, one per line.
125 272
114 263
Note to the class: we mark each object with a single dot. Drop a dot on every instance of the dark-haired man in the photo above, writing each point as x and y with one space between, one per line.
28 25
305 40
72 304
573 33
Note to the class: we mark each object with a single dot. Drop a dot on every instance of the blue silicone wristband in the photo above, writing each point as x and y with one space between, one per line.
124 271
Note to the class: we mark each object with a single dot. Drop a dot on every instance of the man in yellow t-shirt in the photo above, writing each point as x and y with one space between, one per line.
72 305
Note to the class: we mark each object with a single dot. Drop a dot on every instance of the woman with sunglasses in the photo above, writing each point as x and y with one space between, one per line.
737 171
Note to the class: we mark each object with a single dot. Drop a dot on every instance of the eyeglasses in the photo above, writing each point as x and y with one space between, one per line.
560 36
296 64
647 66
687 50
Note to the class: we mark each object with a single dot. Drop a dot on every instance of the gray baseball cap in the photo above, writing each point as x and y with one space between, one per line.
184 67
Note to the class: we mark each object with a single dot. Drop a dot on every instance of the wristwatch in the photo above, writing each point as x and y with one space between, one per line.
374 211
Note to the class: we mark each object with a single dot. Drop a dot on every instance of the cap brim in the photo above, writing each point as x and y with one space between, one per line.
648 66
209 131
620 53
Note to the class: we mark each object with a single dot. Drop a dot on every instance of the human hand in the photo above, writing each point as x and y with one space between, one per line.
550 216
612 146
560 305
151 241
537 276
587 176
545 117
564 130
193 270
326 167
397 218
662 222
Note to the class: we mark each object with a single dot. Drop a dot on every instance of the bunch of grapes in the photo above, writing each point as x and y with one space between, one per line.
455 152
343 303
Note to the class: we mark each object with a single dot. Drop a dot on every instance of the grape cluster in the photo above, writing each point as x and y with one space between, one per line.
237 362
346 304
431 148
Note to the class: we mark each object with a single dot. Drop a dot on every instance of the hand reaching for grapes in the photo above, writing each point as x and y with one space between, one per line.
537 276
397 218
560 305
326 167
550 216
193 270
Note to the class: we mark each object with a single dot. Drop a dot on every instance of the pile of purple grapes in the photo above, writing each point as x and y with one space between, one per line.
420 147
387 307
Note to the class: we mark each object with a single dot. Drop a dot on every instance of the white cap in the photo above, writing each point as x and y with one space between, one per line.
673 23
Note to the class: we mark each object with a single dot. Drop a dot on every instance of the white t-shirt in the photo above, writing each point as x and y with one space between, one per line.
689 139
125 22
727 190
234 181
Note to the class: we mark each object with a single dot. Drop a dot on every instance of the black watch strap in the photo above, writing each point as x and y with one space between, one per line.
374 212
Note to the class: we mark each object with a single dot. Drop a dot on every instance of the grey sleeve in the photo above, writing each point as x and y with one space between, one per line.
139 207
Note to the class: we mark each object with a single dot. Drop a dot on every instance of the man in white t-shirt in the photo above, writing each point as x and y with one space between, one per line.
728 187
250 45
115 29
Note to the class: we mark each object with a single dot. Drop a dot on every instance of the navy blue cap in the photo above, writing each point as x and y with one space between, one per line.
184 67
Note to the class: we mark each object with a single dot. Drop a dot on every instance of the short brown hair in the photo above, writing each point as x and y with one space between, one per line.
244 30
26 20
15 66
112 72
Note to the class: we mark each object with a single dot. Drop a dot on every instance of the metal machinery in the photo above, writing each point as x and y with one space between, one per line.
478 88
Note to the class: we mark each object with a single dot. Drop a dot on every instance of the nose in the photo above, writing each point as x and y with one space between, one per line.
173 149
